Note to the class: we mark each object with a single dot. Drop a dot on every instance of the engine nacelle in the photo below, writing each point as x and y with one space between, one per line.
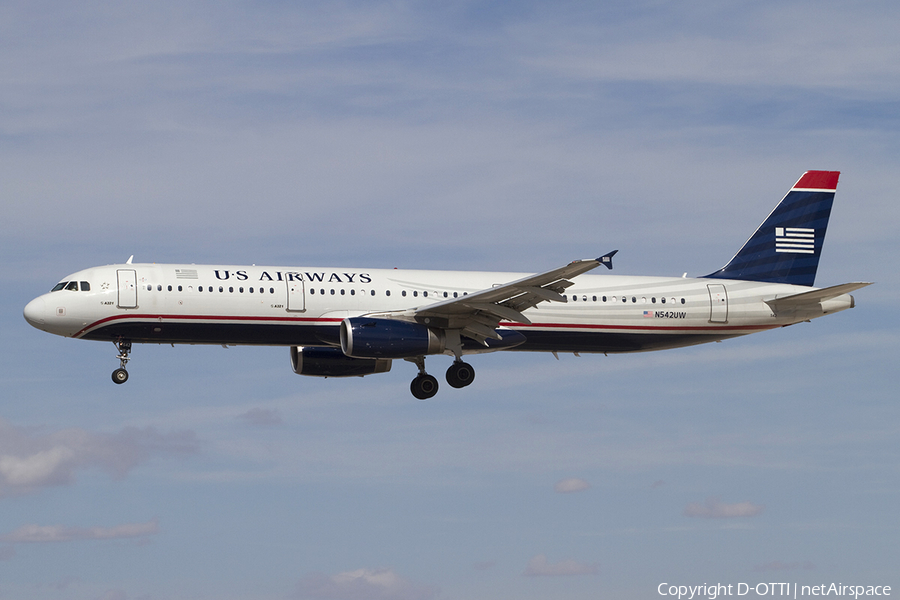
331 362
363 337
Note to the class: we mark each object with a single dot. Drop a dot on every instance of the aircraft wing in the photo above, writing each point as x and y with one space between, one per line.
477 315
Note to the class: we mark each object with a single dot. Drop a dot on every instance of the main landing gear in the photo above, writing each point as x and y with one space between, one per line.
425 386
120 375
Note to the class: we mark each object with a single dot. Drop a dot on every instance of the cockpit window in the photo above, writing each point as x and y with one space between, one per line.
85 286
73 286
59 286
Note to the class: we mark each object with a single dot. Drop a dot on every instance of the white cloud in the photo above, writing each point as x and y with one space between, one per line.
571 485
33 534
540 567
30 461
362 584
714 508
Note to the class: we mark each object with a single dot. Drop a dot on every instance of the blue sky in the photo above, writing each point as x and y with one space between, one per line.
503 136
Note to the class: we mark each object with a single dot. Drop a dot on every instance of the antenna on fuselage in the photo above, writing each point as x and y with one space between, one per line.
130 258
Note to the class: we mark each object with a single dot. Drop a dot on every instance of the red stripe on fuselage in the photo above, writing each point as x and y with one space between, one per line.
137 317
310 320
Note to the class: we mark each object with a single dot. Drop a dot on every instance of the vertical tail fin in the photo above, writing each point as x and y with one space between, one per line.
786 247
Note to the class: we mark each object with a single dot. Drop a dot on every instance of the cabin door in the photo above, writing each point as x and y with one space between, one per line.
718 303
127 281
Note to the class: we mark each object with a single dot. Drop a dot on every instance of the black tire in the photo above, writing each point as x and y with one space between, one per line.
460 374
424 386
120 376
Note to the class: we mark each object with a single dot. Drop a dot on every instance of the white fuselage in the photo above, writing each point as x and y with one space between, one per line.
301 306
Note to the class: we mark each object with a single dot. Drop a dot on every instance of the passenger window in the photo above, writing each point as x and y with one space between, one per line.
455 295
251 290
403 293
342 291
663 299
221 289
594 298
85 286
387 292
332 292
682 300
179 288
170 288
584 298
271 290
149 288
653 300
445 294
425 294
633 299
604 298
159 288
373 292
353 292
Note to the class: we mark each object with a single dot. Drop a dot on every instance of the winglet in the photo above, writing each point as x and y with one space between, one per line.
606 259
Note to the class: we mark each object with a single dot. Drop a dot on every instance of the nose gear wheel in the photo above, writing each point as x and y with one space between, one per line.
120 375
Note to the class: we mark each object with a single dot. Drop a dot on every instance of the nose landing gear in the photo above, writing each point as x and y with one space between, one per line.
120 375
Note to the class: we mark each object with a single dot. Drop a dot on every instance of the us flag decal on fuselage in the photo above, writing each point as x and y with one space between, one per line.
795 240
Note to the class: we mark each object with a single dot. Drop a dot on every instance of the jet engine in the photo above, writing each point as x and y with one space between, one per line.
364 337
331 362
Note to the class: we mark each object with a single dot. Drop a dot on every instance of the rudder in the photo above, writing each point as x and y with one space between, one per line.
787 246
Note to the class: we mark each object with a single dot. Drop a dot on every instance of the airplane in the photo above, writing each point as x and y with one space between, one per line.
341 322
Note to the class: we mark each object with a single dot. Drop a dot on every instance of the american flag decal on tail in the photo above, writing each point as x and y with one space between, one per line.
795 240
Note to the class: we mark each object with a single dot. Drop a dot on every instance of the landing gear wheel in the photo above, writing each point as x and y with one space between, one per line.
460 374
120 375
424 386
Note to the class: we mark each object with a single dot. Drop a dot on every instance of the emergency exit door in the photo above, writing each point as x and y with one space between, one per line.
296 296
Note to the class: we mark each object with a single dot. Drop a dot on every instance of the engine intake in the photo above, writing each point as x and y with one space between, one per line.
363 337
331 362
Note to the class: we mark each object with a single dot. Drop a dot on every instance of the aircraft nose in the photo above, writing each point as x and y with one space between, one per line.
36 312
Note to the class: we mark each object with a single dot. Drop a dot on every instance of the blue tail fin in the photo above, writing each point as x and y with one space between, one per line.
786 247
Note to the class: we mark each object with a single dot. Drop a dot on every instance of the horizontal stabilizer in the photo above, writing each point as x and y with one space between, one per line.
815 296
